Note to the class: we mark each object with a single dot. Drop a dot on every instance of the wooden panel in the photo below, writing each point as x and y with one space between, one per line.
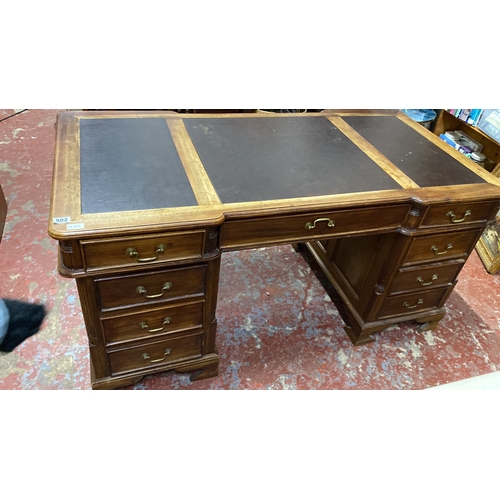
293 228
411 303
281 157
423 277
442 246
445 214
166 320
159 353
161 286
110 253
354 258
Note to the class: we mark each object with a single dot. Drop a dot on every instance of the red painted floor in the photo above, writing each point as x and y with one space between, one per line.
278 328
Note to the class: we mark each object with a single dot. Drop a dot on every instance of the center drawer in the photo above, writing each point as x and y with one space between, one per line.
146 288
317 225
157 321
137 251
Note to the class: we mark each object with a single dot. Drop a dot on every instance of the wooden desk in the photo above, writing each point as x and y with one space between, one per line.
144 203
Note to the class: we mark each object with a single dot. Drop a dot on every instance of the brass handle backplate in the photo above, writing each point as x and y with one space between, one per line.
132 252
421 280
145 326
142 291
312 225
146 356
452 216
419 302
435 249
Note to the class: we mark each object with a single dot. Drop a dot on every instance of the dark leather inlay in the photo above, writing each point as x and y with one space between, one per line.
277 158
130 164
417 157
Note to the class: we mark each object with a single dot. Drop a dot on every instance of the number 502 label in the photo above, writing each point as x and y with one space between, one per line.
61 220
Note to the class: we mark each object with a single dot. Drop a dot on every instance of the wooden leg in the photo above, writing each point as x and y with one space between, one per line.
206 369
430 322
208 372
108 384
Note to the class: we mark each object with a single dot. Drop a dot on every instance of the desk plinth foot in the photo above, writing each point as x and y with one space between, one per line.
207 368
362 334
358 339
430 322
114 383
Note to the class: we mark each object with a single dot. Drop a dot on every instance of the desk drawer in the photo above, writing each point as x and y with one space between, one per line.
133 252
154 354
456 214
317 225
423 277
442 246
402 305
153 322
146 288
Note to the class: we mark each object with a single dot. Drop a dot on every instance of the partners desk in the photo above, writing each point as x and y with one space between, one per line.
144 203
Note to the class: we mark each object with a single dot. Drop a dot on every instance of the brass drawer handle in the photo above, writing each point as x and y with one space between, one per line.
132 252
421 280
452 216
142 291
435 249
312 225
145 326
419 302
146 356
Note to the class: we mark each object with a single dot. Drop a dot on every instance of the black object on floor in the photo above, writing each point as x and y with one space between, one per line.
25 320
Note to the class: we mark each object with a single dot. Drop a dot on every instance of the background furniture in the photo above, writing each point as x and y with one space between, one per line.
446 121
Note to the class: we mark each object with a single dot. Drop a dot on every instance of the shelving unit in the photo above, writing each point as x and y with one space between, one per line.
446 121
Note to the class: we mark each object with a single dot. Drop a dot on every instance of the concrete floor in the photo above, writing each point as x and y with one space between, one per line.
278 328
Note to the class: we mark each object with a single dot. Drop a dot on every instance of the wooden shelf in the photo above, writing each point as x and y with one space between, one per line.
446 121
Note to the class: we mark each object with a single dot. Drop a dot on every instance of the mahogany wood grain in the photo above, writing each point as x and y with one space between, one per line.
435 247
154 354
124 291
153 322
293 228
413 302
109 253
424 277
455 214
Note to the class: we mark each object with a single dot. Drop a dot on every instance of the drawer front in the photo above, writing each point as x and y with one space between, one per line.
161 321
147 288
154 354
312 226
423 277
133 252
455 214
442 246
403 305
